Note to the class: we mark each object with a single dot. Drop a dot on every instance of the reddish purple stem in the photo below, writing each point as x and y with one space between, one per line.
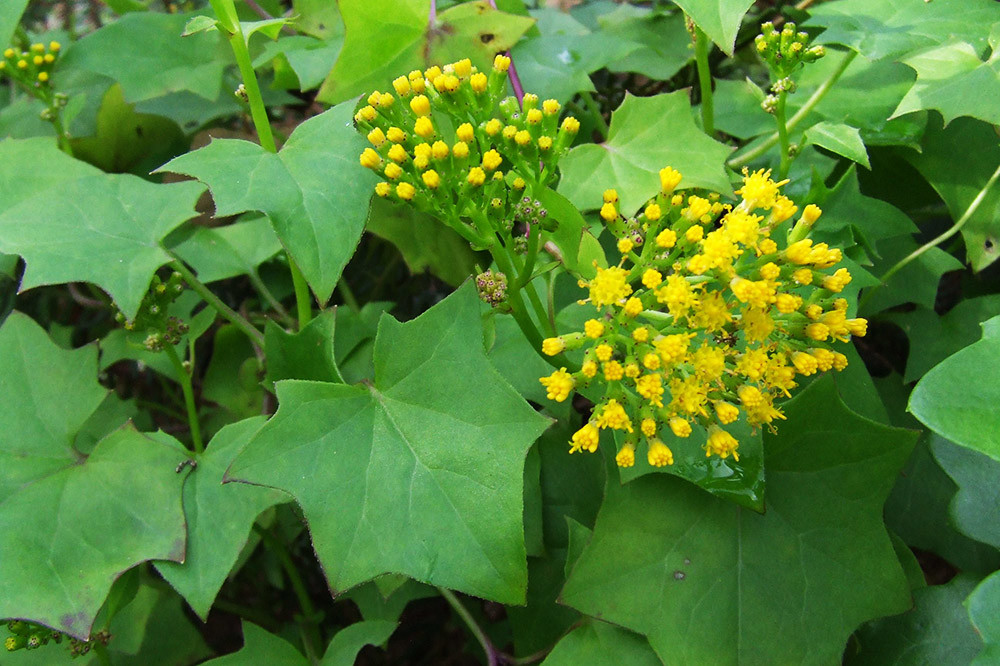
515 80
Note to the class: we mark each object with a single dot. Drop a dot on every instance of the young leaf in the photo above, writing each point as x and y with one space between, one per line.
647 134
710 582
719 19
104 229
313 190
957 401
307 354
892 28
952 79
219 518
420 473
347 643
220 253
468 30
841 139
974 509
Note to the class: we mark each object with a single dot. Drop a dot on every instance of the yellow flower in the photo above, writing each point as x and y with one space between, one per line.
492 160
680 427
633 307
669 179
653 212
405 191
476 176
613 416
493 127
811 213
648 427
463 67
589 369
570 125
651 278
397 153
613 371
592 328
659 455
558 385
666 238
522 138
382 189
533 117
721 443
465 132
370 159
376 137
650 387
626 456
553 346
393 171
651 361
604 352
439 150
758 190
478 82
608 212
423 127
726 412
585 439
609 286
640 334
501 63
460 150
550 107
402 85
431 179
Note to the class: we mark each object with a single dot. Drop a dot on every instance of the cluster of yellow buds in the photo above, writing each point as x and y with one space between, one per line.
706 320
451 142
31 68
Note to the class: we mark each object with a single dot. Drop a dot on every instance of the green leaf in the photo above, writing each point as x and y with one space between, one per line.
893 28
146 54
467 30
424 242
917 510
347 643
127 492
261 647
318 18
374 605
32 166
313 190
952 79
10 17
354 340
984 610
934 337
917 282
936 631
420 473
38 425
709 582
572 235
154 628
270 28
596 642
200 23
719 19
219 518
126 141
841 139
957 398
658 44
647 134
307 354
558 66
232 379
973 509
958 161
220 253
308 59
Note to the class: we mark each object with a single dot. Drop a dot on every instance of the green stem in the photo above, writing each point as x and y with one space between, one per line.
252 614
551 299
188 389
701 48
303 305
312 638
470 622
951 231
224 310
595 111
785 145
258 113
540 312
349 299
814 99
266 294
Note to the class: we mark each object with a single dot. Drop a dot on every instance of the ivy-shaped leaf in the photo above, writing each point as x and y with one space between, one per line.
646 135
146 54
313 190
419 473
709 582
261 647
105 229
974 510
957 399
305 354
893 28
719 19
387 38
952 79
219 518
220 253
841 139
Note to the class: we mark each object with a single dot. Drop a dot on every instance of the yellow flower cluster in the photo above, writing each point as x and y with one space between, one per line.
448 139
705 320
31 67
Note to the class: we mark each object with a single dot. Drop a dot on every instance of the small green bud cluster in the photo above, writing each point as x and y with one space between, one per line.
32 68
492 287
784 52
78 648
152 328
29 636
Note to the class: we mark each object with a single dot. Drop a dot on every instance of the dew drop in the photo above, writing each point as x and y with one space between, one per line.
679 575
